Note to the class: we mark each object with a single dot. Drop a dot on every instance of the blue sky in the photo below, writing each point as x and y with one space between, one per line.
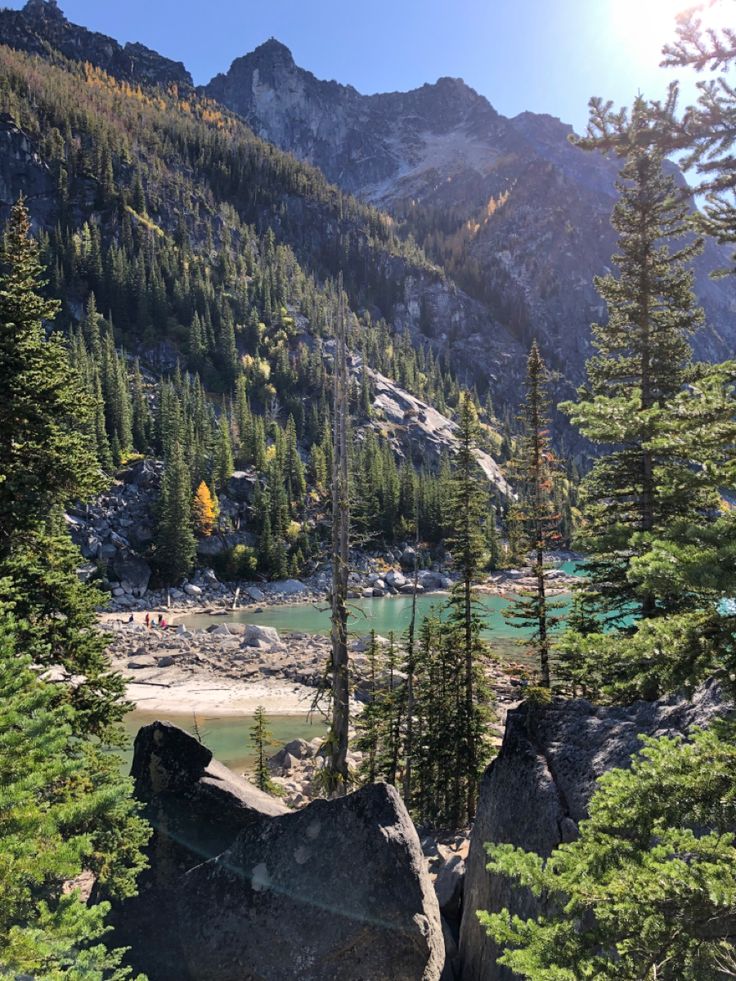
541 55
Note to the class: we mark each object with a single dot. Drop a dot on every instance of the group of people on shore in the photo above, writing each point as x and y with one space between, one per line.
160 623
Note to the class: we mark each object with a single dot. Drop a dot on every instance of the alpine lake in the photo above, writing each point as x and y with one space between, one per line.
228 736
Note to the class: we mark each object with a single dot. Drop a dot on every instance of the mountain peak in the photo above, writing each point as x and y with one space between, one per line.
274 51
450 82
44 8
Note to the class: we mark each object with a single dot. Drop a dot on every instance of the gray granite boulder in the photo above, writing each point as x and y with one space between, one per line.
196 807
253 634
537 791
335 892
288 587
132 571
242 485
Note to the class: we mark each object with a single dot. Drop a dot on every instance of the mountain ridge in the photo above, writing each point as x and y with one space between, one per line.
516 214
513 222
41 23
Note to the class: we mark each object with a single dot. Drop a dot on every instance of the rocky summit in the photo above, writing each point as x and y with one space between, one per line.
519 217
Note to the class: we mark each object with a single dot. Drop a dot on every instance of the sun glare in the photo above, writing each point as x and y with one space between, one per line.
645 25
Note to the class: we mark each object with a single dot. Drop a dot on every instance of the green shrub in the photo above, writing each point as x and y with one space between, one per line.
239 562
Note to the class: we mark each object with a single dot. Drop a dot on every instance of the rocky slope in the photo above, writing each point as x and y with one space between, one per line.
41 25
518 215
537 790
328 232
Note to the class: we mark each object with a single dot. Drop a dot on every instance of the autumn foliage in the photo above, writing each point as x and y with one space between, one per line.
204 510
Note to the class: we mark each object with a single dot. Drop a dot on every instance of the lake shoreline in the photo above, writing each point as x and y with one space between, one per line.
202 663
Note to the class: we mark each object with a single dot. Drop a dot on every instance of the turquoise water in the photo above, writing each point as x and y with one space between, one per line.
228 737
382 615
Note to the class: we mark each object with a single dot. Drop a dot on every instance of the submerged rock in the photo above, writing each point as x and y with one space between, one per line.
335 892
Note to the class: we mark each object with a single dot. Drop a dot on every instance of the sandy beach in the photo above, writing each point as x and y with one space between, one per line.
219 697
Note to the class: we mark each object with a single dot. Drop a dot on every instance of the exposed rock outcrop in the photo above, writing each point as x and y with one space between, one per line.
531 211
537 791
335 892
196 807
240 888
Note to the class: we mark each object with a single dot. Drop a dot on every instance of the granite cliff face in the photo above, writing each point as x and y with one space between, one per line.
41 25
518 216
380 147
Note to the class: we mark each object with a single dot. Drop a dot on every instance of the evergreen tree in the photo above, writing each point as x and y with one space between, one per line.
65 807
104 453
651 506
532 470
46 453
296 486
175 543
369 723
65 810
140 411
261 738
48 460
468 507
640 487
655 890
223 462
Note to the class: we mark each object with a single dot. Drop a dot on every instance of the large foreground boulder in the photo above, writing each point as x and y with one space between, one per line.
196 808
335 892
537 791
240 887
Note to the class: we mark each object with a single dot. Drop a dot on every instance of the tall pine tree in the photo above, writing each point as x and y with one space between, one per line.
176 546
642 485
532 470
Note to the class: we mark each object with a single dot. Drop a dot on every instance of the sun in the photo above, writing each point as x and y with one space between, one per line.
644 26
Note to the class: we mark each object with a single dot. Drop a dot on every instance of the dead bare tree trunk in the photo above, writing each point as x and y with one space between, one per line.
411 667
337 762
